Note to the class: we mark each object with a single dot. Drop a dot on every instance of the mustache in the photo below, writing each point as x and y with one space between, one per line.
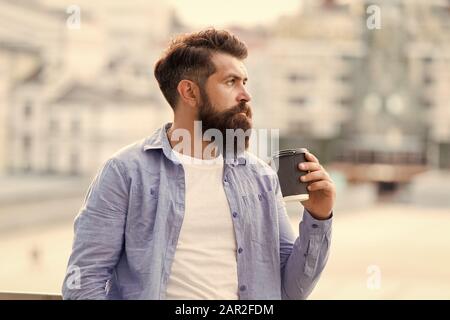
241 107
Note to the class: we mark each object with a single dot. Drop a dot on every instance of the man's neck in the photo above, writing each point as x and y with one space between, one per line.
194 146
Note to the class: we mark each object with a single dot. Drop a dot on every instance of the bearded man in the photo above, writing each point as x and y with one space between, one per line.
189 214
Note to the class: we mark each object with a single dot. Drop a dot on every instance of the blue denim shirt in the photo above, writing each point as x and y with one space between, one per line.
126 232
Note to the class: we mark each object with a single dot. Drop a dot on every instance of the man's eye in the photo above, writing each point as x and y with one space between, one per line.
230 82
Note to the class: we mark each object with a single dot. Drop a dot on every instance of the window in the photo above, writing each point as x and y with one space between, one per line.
427 80
53 126
51 161
346 101
27 109
427 60
26 143
298 101
298 77
74 164
75 126
426 103
346 57
344 78
444 155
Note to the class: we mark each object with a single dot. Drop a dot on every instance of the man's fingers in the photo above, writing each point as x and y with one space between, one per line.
310 157
320 185
309 166
315 176
312 163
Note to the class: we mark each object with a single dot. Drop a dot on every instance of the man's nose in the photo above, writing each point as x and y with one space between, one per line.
244 95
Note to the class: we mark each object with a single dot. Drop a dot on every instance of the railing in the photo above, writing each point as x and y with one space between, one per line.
29 296
374 172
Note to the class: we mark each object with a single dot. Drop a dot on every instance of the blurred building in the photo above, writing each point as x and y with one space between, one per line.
83 95
399 125
313 61
29 35
428 54
372 99
75 131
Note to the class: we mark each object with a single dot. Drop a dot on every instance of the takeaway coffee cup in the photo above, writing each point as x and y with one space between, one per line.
285 163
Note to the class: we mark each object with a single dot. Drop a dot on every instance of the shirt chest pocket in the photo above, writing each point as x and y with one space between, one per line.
142 210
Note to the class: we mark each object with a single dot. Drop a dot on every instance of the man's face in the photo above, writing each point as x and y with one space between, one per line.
225 98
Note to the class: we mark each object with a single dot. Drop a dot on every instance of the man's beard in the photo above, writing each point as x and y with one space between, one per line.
227 119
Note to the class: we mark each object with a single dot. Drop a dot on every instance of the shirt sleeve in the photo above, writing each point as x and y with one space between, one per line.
98 235
302 259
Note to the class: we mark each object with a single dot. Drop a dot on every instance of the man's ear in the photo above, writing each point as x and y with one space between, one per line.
189 92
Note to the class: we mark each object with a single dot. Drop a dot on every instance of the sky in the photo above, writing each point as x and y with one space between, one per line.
200 13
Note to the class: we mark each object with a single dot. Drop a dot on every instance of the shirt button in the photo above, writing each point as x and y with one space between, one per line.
243 288
235 214
315 226
260 197
240 250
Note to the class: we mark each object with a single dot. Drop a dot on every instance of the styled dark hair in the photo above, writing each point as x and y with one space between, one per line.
189 57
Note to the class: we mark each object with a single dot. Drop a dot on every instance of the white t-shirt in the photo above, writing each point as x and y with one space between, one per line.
204 265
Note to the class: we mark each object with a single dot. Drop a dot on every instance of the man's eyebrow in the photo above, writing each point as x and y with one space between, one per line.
234 75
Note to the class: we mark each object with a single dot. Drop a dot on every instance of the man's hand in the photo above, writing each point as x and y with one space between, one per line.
322 192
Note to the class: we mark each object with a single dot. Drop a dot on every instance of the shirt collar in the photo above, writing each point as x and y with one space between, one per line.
159 140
